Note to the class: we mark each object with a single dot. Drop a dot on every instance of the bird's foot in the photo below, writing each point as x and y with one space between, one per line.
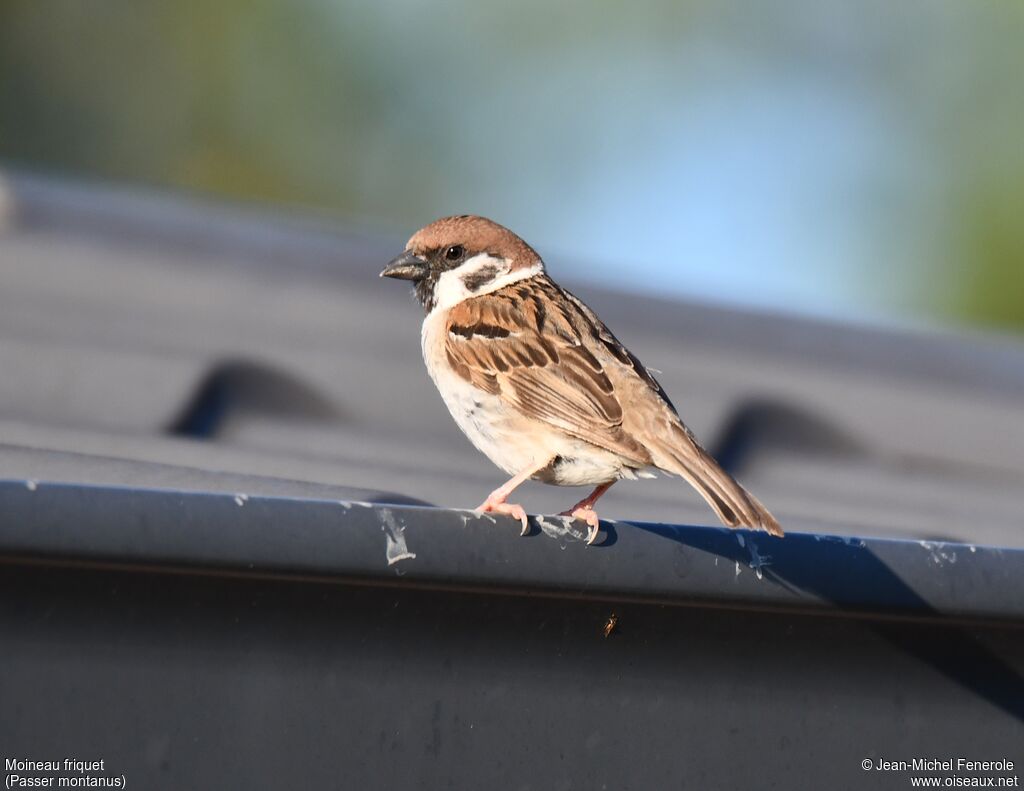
493 505
588 515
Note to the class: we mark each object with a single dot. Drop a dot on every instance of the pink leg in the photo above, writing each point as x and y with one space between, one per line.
495 503
584 510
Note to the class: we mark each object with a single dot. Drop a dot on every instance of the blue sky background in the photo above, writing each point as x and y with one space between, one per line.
844 160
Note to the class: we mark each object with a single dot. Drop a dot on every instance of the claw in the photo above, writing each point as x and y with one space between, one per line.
490 506
584 510
588 515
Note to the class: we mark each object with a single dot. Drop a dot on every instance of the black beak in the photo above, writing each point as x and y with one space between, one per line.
407 266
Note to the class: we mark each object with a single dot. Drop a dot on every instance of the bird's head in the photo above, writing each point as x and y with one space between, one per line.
456 258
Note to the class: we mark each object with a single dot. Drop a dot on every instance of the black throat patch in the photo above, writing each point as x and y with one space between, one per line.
425 289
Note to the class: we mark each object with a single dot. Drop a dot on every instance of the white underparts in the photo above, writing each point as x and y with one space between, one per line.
451 287
511 439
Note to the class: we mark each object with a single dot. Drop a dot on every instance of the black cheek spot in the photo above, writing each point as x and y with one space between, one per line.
474 281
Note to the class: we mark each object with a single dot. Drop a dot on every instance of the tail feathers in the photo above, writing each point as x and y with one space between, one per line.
735 506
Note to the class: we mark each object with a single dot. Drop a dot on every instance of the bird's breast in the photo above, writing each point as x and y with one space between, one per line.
487 421
509 438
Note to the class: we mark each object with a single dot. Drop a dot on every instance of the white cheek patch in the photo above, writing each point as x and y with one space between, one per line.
451 286
480 274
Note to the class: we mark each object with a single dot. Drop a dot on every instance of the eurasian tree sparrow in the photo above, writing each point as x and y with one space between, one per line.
539 384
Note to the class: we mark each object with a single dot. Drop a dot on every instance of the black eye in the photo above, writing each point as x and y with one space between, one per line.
454 253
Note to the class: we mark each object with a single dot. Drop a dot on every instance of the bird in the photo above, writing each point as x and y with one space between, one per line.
540 385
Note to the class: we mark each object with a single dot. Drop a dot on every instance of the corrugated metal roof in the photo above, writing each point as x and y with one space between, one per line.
159 340
206 415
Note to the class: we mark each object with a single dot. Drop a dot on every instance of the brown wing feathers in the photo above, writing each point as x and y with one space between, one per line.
552 376
529 342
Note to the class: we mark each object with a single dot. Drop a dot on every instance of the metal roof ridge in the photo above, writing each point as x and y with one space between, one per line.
380 543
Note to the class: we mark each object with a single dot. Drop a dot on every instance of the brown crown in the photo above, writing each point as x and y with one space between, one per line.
477 235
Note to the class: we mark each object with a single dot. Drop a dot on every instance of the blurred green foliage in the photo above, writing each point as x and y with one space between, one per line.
550 113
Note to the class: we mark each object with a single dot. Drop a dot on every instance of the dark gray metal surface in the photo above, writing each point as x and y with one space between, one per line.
382 543
218 448
202 641
141 333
